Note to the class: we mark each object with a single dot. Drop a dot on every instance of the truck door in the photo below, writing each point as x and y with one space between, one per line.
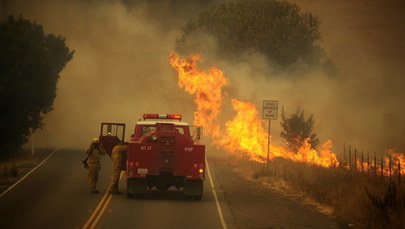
111 134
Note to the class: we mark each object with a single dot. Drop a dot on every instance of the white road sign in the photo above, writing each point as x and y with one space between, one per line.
270 109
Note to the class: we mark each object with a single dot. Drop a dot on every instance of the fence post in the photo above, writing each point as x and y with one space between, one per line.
382 168
389 165
344 154
399 173
368 163
375 163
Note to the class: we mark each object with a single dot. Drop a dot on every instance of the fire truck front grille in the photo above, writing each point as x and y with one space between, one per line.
166 161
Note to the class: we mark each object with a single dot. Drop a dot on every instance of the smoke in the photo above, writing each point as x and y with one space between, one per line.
366 41
363 106
120 70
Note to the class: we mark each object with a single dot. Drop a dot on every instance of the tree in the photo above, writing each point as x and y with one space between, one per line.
297 130
276 29
30 63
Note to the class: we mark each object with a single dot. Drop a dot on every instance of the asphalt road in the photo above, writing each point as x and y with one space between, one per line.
57 195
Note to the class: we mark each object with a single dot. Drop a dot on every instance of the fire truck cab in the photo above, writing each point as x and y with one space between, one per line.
165 152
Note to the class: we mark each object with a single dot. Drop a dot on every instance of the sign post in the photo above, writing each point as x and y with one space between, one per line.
270 112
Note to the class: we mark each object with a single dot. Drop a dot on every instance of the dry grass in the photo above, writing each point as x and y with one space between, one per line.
353 198
12 169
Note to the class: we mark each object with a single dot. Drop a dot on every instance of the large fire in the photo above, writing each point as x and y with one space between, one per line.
245 134
207 86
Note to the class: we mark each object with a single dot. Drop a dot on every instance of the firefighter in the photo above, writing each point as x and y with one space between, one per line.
116 157
92 163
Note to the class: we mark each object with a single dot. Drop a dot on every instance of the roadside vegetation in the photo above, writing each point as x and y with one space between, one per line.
276 29
358 199
297 129
30 63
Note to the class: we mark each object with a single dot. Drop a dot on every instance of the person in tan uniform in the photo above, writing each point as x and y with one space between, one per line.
116 157
92 163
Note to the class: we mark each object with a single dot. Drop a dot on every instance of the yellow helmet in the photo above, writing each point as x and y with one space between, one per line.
95 139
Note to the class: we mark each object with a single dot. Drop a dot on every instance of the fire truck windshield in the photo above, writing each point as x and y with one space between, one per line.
148 129
180 129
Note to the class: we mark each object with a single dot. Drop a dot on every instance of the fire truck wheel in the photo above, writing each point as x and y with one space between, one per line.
130 195
136 187
140 196
193 189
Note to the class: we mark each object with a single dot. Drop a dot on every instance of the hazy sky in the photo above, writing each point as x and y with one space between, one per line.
120 70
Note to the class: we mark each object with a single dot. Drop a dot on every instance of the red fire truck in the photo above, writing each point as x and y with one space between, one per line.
163 152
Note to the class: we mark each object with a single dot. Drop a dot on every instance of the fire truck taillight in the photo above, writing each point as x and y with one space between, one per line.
130 168
201 170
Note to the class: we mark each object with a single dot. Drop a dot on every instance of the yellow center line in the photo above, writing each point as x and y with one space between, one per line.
94 224
100 209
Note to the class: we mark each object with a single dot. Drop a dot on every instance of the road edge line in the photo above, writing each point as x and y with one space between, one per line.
221 216
26 175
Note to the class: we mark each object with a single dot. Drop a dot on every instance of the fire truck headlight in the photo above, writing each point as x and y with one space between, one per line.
154 137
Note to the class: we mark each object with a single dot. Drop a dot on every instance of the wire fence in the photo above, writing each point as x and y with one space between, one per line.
390 166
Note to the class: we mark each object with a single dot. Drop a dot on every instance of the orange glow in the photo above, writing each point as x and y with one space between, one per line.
245 133
207 87
391 164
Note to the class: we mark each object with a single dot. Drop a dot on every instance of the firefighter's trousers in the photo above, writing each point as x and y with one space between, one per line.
92 176
115 177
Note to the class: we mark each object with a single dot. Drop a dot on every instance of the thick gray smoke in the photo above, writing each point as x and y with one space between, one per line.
363 106
120 70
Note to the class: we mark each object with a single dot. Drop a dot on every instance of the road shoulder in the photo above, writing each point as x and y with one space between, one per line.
254 205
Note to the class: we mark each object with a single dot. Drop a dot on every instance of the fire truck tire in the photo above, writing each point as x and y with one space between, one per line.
193 189
136 187
130 195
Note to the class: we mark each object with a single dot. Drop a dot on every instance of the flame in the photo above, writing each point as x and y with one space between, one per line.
207 86
391 164
245 134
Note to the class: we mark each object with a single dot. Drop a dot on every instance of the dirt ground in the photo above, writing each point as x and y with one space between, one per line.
257 204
